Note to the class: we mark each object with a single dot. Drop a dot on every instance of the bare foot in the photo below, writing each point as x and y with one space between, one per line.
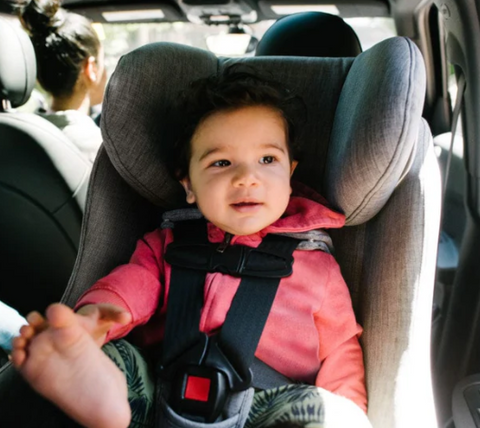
63 363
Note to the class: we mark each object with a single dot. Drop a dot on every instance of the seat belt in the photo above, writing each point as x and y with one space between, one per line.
204 369
461 84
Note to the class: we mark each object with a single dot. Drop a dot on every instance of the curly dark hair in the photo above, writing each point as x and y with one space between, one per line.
237 87
62 41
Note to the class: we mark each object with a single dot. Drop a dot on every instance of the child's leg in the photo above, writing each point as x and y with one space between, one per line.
16 395
64 364
304 406
140 381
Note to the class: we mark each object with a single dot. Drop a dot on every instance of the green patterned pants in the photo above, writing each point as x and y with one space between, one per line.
289 406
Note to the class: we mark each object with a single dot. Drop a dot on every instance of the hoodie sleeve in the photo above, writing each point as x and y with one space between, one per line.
342 370
135 286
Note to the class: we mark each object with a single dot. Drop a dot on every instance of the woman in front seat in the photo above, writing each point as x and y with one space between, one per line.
70 67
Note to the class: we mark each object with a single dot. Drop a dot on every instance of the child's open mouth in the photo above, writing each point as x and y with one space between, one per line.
246 206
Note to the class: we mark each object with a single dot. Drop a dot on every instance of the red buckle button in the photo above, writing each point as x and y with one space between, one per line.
197 388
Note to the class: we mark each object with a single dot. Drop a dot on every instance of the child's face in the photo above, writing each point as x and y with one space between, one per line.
239 172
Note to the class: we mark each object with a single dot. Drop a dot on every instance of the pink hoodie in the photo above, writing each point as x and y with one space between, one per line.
311 334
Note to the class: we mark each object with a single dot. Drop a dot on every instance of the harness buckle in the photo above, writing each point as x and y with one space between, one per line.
201 378
199 393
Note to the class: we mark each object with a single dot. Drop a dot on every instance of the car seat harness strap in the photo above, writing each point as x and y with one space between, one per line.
203 370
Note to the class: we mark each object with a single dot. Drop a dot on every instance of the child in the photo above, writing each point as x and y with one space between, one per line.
234 158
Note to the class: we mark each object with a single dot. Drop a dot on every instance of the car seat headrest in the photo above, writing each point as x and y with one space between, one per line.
377 124
18 70
363 118
310 34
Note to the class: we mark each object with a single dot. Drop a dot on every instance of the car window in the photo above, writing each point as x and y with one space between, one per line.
371 31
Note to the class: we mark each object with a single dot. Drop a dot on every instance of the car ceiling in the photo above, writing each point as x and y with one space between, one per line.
175 10
404 12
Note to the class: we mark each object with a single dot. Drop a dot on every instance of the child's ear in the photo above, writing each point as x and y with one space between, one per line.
187 185
293 165
91 69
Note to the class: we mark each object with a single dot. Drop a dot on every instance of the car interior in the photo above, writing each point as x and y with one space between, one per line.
414 284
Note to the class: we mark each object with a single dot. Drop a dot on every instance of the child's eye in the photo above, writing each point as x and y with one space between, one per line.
267 159
221 163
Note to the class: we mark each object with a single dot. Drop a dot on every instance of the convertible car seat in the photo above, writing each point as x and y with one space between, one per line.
366 149
43 182
310 34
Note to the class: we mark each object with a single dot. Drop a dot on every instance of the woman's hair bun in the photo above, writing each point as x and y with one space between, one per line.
41 17
62 41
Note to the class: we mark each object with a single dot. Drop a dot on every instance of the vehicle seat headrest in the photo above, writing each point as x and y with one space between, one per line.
363 120
18 69
310 34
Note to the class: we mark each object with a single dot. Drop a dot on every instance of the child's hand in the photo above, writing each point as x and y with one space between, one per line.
95 319
98 319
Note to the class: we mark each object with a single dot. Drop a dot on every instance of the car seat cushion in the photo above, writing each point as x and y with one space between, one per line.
136 101
376 127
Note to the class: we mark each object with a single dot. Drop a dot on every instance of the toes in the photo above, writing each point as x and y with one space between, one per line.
27 331
19 342
60 316
35 319
18 357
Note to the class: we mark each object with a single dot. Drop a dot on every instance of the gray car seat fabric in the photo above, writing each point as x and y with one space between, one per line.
366 148
310 34
43 183
392 115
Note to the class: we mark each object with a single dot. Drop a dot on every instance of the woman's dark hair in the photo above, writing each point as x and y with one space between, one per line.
237 87
62 41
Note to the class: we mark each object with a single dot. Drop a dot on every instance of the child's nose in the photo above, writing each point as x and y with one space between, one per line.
245 175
